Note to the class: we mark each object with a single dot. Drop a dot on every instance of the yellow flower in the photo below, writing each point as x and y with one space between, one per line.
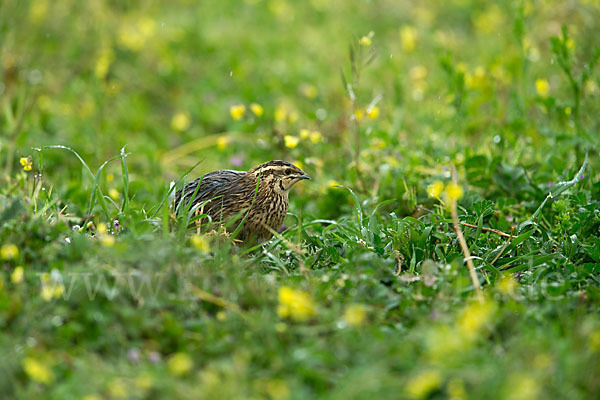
422 385
304 134
38 10
221 316
277 389
144 381
355 314
365 41
17 275
521 386
456 390
103 62
107 240
180 121
309 91
26 163
291 141
113 193
507 285
333 184
9 251
373 112
435 189
101 228
256 109
316 137
594 340
91 397
280 114
408 38
295 304
568 110
292 117
117 389
298 164
359 114
542 87
237 111
37 371
180 364
454 191
201 243
110 177
474 317
222 142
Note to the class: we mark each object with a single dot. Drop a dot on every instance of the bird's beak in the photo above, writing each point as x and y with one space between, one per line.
304 176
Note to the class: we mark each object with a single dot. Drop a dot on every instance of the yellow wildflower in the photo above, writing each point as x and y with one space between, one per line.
507 285
570 43
9 251
316 137
144 381
295 304
568 110
365 41
473 318
280 114
594 340
91 397
103 62
180 364
38 10
37 371
113 193
304 134
107 240
201 243
333 183
26 163
101 228
277 389
408 38
222 142
355 314
454 191
521 386
291 141
117 389
309 91
256 109
373 112
110 177
17 275
359 114
180 121
542 87
435 189
221 316
292 117
456 389
298 164
237 111
422 385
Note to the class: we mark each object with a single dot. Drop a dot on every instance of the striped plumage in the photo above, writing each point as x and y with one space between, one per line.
232 193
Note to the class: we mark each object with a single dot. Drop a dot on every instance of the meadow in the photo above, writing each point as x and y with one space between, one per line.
447 246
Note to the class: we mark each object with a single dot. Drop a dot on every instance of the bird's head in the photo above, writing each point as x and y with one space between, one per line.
279 175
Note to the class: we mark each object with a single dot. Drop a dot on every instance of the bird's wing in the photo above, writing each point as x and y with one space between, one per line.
213 184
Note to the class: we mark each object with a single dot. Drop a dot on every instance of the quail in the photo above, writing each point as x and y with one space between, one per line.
261 193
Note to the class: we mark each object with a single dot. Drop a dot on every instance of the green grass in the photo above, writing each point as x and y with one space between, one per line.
366 293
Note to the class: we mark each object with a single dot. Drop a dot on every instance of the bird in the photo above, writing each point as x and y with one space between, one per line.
260 195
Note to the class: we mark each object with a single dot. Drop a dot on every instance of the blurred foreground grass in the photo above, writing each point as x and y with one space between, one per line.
104 295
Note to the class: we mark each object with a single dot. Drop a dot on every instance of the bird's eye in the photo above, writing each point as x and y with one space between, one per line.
288 171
